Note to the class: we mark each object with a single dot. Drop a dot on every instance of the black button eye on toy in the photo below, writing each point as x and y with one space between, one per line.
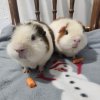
83 95
77 88
67 75
72 82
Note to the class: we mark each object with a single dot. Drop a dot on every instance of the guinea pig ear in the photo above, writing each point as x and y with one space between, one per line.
29 23
13 29
84 29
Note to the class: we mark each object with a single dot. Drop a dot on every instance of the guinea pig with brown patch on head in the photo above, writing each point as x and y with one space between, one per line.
31 44
69 34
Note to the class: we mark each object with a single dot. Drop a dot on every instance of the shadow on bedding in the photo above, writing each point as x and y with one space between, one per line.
89 55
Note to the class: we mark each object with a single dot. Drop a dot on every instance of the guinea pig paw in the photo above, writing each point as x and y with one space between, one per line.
27 70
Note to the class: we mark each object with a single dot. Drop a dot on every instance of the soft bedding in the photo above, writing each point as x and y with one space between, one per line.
59 81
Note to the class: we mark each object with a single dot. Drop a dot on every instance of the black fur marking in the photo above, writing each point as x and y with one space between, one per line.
41 33
52 35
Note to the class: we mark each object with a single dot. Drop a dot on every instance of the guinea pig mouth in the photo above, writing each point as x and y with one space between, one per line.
75 46
22 55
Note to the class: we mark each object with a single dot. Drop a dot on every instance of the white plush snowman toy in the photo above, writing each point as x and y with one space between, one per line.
74 86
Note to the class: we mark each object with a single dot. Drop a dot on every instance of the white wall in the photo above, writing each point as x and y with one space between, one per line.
27 10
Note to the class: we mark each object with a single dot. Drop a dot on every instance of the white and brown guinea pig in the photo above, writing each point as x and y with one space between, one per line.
69 36
31 44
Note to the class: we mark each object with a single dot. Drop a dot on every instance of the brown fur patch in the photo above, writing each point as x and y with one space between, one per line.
62 32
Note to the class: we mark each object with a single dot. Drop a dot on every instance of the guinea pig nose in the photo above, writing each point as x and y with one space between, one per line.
77 40
20 50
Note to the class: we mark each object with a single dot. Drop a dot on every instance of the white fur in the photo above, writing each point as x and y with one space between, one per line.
36 52
75 30
92 90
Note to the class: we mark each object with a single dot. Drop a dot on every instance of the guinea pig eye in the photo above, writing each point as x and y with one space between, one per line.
66 32
43 33
33 37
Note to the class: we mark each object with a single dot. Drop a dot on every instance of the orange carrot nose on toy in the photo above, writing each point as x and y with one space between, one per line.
77 60
31 83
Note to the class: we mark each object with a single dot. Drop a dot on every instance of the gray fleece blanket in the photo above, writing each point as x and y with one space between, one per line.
55 83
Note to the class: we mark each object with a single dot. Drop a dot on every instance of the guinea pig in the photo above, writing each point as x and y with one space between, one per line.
31 44
69 34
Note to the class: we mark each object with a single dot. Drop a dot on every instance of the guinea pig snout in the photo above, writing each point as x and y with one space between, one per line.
77 40
20 48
